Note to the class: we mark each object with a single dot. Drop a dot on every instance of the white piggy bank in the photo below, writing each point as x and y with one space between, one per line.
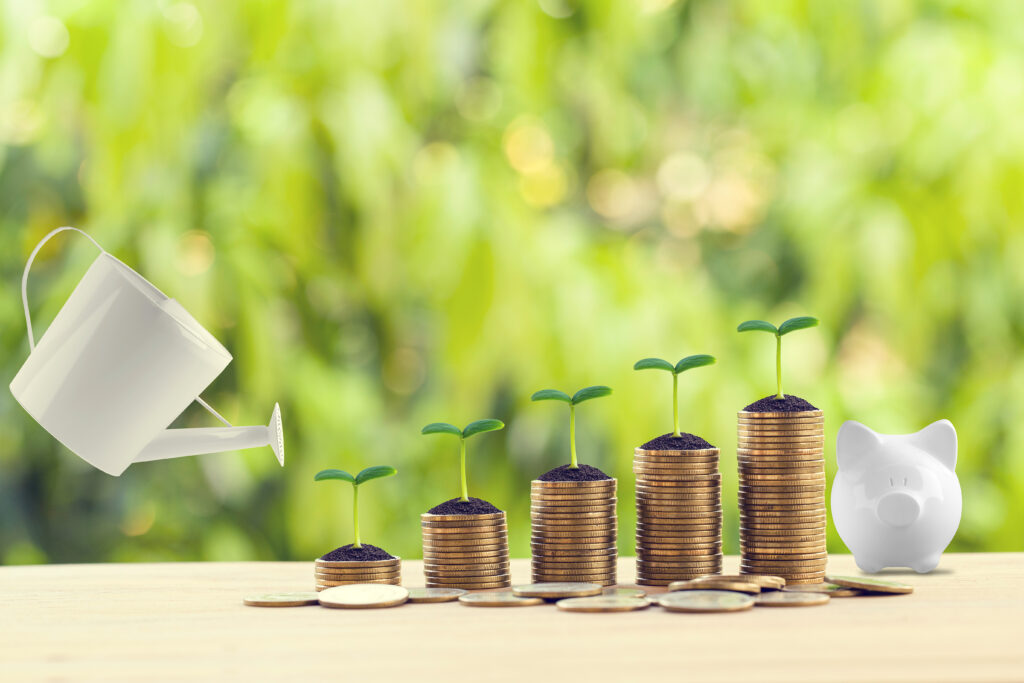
896 501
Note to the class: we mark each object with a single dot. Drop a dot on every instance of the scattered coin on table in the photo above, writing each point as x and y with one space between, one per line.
715 583
498 599
624 592
603 603
554 590
830 589
871 585
791 599
425 595
282 599
363 596
706 601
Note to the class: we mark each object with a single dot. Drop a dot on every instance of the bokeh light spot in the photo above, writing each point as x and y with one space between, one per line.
528 146
195 253
183 24
48 37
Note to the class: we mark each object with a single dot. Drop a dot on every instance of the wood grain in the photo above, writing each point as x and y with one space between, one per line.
173 621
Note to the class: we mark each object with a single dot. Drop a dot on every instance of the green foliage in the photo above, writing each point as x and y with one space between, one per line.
551 395
365 475
791 325
584 394
684 364
589 393
476 427
334 474
376 472
357 215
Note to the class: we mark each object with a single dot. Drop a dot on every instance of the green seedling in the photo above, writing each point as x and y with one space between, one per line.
579 397
785 328
463 434
697 361
366 475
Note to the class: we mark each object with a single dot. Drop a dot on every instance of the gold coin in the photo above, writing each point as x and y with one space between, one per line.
348 564
572 519
446 530
797 541
327 576
461 547
674 452
625 592
791 599
715 583
796 583
786 438
574 536
593 483
678 554
770 479
469 585
464 557
427 595
795 414
795 556
870 585
782 454
603 603
363 596
792 575
573 503
328 583
573 567
770 469
563 512
429 517
548 545
498 599
466 570
552 590
830 589
597 576
785 507
673 562
452 577
765 489
282 599
705 601
765 581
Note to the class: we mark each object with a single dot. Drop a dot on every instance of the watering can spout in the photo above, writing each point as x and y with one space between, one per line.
177 443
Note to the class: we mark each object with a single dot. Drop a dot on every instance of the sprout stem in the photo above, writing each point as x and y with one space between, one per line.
462 463
675 404
572 437
778 364
355 514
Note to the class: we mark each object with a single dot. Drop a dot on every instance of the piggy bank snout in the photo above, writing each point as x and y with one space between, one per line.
898 508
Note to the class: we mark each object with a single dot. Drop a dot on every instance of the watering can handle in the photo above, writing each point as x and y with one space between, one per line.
24 277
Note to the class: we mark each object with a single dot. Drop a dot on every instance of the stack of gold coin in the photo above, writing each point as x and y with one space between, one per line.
782 494
679 515
329 574
574 531
465 551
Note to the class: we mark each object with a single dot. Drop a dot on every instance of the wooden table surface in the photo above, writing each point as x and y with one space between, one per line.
171 621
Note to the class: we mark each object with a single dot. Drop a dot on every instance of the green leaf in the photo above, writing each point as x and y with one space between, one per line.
794 324
757 325
696 361
375 472
551 395
441 428
334 474
589 393
653 364
479 426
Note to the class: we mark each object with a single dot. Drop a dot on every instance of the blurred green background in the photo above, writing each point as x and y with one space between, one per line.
401 212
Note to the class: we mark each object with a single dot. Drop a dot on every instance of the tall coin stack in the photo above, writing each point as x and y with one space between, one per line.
782 494
329 574
574 528
679 515
465 551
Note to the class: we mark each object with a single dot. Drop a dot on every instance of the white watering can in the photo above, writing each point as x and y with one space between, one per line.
119 362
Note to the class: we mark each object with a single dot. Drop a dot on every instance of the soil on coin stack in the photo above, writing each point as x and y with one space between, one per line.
349 553
771 404
671 442
457 506
567 473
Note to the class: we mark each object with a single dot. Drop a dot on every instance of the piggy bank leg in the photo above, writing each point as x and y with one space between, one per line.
868 564
926 564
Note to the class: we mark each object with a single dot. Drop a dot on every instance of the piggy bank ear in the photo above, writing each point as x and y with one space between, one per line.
939 440
853 442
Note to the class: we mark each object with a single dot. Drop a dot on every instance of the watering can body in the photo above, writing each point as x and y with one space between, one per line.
118 364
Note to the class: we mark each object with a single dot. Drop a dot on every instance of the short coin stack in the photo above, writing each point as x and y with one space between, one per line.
465 551
679 515
574 531
782 494
330 574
